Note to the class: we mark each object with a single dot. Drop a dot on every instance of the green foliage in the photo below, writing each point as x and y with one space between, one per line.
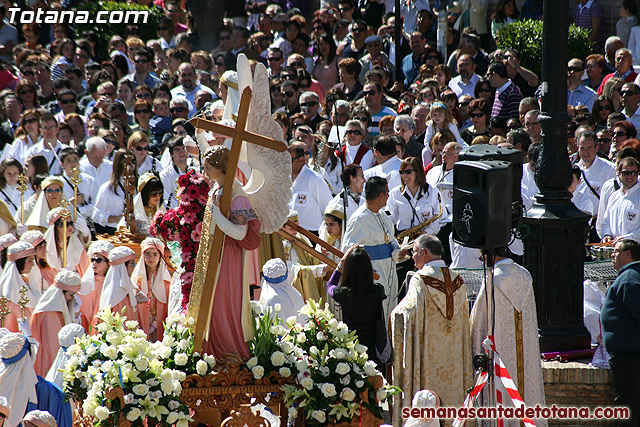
526 37
147 30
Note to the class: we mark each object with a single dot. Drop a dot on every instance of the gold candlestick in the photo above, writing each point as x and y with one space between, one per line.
23 185
65 215
75 179
4 310
23 301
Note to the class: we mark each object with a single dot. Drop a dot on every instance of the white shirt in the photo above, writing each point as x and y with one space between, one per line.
368 160
108 204
191 96
332 177
635 118
605 193
52 155
529 186
583 201
389 170
461 88
169 177
622 216
409 210
18 149
597 174
311 195
11 197
100 174
149 164
88 187
443 181
427 154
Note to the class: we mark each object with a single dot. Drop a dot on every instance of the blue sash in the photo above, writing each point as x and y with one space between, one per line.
382 251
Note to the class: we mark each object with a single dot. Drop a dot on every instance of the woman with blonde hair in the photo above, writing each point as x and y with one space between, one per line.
439 118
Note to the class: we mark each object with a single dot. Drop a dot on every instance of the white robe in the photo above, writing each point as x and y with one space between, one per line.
365 229
513 289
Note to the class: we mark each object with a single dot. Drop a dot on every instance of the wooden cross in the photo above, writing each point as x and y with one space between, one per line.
238 134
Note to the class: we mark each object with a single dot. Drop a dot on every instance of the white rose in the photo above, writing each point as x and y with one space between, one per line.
278 358
258 372
370 368
319 415
201 367
333 323
381 394
172 418
328 389
359 383
302 337
110 352
301 365
183 344
166 375
181 359
210 359
345 380
291 320
313 350
141 364
141 389
348 394
284 372
361 348
307 383
321 336
277 307
134 413
342 368
191 321
174 404
91 350
164 352
324 370
252 362
167 387
102 413
340 353
286 346
131 324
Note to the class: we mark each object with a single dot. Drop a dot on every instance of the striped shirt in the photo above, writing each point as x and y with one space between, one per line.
506 102
582 95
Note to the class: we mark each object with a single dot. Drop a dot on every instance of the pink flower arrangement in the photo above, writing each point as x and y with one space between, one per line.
184 224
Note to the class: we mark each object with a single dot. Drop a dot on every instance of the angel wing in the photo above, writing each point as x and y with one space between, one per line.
269 188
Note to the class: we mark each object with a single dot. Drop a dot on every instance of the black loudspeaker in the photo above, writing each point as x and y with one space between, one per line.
516 157
482 194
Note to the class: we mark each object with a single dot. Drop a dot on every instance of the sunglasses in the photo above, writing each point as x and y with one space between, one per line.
61 224
627 93
178 109
463 104
309 104
619 133
575 69
354 132
111 142
143 111
407 172
604 140
99 260
476 115
628 173
145 148
68 101
275 89
141 61
51 190
484 89
274 59
304 130
369 92
220 64
28 73
359 30
29 121
362 119
143 95
155 194
288 94
606 107
433 57
26 91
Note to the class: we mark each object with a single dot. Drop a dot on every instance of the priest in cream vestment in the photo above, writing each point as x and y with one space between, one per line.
516 331
430 332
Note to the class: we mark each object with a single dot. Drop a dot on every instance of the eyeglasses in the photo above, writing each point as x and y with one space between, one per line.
145 148
476 115
288 94
362 119
604 140
111 142
99 260
141 61
178 109
51 190
463 104
484 89
61 223
155 194
29 121
143 95
354 132
26 91
606 107
68 101
575 69
407 171
619 133
629 173
143 111
274 59
369 92
309 104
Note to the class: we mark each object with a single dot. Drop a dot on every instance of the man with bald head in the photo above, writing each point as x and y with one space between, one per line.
419 115
189 86
310 192
624 68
